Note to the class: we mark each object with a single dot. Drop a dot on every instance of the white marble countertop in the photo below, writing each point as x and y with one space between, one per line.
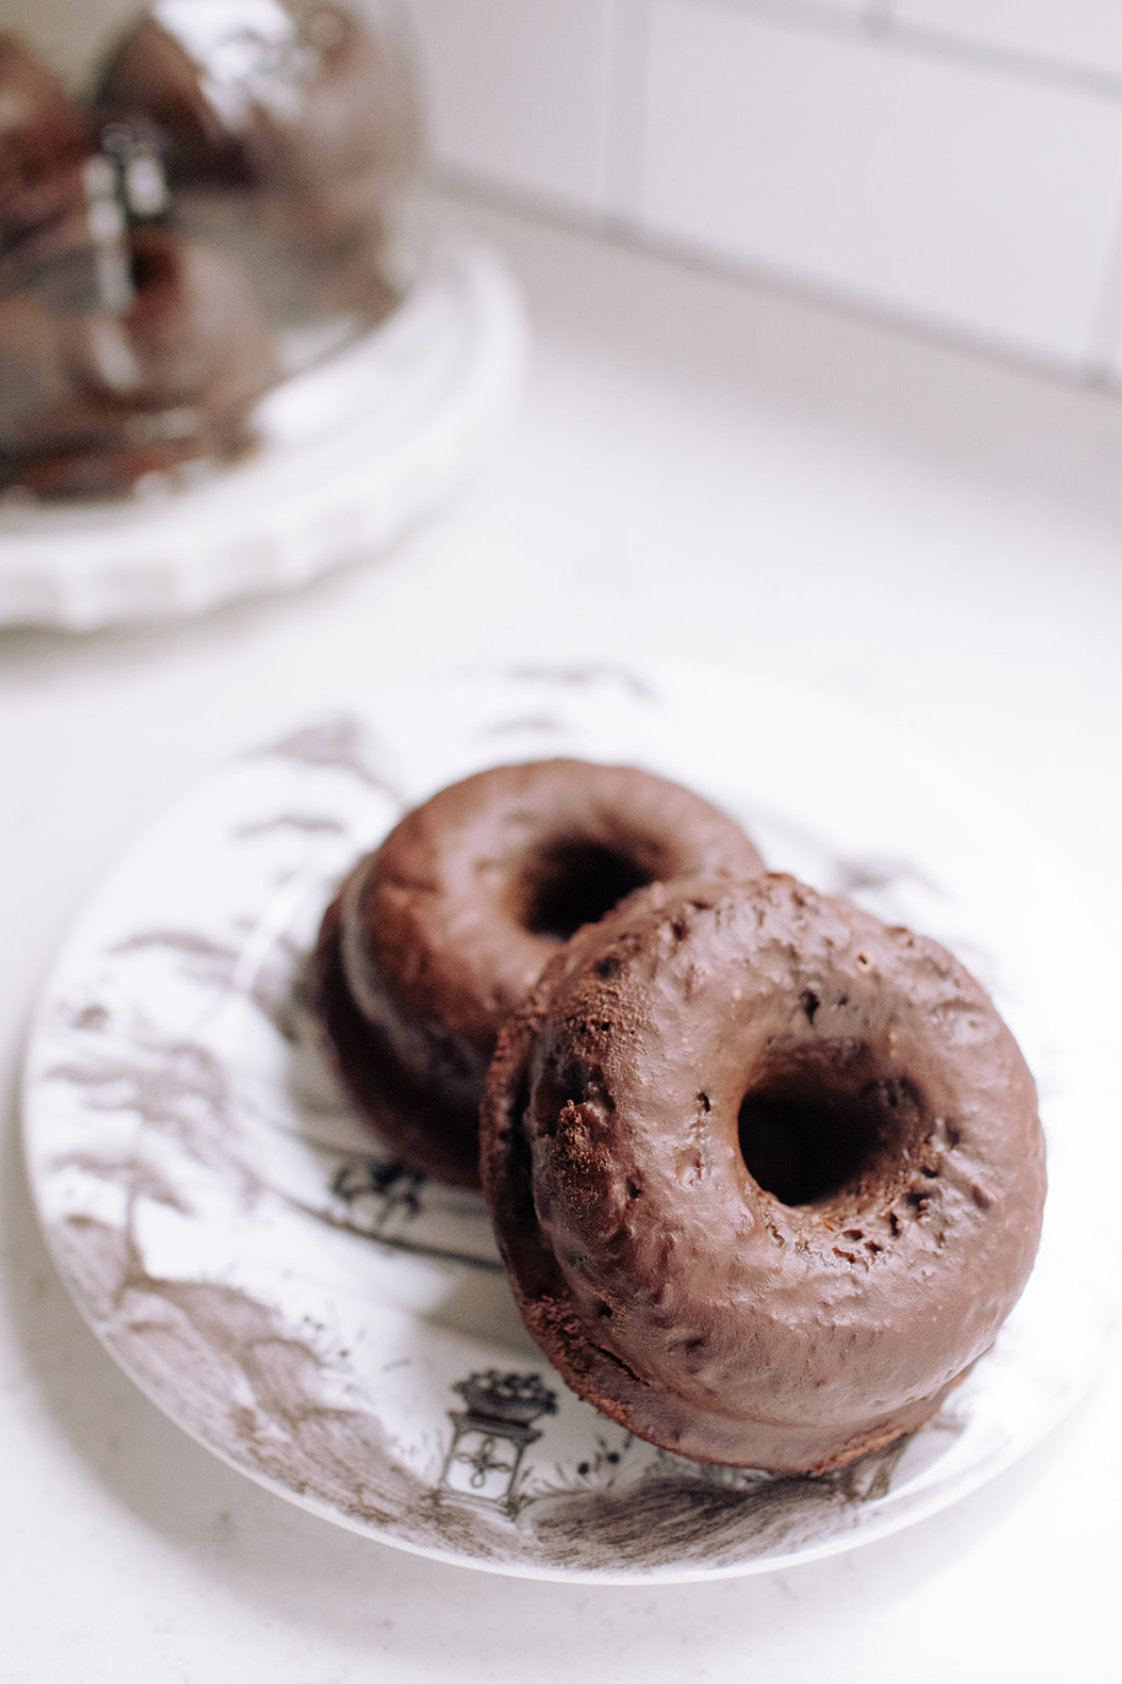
702 471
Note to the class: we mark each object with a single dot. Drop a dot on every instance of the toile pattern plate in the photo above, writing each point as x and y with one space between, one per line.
341 1331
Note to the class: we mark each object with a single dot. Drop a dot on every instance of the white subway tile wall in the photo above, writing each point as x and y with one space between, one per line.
911 183
956 163
1082 33
852 8
519 92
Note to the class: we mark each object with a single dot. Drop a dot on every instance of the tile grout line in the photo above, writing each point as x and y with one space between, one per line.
615 207
1104 338
625 126
801 290
878 26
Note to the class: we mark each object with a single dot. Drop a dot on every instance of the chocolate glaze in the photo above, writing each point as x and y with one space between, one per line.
298 98
883 1105
44 211
41 133
275 138
90 401
290 130
126 348
194 329
436 938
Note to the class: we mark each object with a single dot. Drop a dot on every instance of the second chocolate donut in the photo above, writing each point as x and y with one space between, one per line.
436 937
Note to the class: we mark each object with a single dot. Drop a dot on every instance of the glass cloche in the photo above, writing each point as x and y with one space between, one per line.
198 200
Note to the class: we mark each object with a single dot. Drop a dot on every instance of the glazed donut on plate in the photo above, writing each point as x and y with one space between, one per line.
435 938
767 1175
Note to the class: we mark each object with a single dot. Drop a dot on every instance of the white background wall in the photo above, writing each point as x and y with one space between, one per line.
954 163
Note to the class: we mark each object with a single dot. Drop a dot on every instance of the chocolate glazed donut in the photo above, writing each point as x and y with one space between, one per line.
92 401
435 939
766 1174
299 101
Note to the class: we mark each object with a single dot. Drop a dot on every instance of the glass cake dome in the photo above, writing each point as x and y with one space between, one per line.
199 199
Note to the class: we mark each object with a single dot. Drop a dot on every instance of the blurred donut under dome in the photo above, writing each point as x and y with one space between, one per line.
198 200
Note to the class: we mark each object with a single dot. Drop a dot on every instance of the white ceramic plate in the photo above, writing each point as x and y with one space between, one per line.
354 451
316 1316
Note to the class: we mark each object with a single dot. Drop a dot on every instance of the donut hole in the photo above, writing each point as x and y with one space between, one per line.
826 1125
575 882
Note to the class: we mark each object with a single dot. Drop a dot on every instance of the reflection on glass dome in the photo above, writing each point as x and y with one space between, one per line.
220 204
